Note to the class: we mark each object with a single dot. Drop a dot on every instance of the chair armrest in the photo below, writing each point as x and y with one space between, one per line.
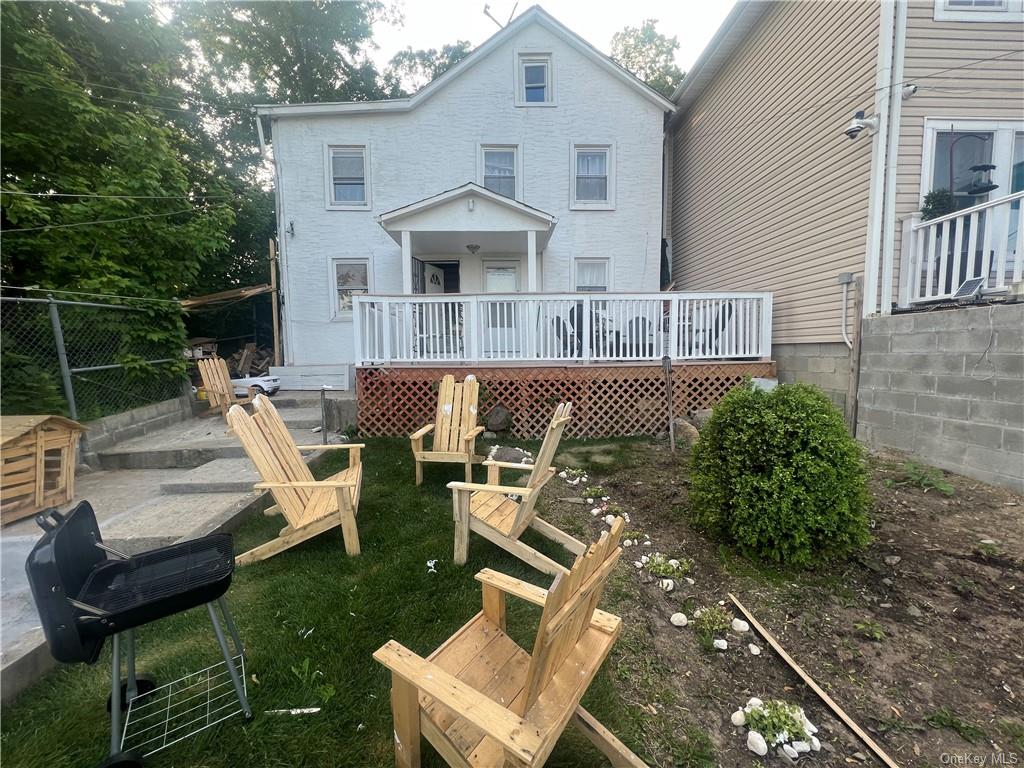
513 586
333 446
307 484
508 465
474 433
421 432
519 737
515 490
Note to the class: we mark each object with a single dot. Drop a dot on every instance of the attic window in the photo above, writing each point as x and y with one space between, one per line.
534 87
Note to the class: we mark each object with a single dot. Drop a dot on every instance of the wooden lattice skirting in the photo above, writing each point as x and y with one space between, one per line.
608 400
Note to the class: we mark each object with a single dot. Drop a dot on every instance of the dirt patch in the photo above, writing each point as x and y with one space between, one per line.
920 637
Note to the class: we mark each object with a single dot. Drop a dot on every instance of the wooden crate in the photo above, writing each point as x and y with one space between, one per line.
608 400
37 464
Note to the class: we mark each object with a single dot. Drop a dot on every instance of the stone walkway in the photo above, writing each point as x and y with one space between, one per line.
179 482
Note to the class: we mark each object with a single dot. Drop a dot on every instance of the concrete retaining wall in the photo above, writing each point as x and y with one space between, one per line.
825 365
948 386
103 433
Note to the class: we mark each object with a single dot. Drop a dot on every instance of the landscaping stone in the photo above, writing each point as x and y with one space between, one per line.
489 435
790 752
754 650
739 717
667 585
801 746
815 744
499 419
678 620
720 644
510 454
687 433
756 743
739 625
892 559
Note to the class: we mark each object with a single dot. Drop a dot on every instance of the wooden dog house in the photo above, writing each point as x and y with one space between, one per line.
37 464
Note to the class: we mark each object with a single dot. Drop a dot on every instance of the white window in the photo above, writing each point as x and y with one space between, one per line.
979 10
348 184
593 182
969 157
534 81
499 165
351 277
592 275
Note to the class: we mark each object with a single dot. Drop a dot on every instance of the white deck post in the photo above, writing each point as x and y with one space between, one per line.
531 261
406 262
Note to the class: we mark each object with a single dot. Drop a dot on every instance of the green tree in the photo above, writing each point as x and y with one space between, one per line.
410 70
649 55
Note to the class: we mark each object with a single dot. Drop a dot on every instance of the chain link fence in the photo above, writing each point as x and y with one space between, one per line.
83 359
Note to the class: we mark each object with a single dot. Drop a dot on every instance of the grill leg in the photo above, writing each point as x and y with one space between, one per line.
229 661
129 648
115 697
232 629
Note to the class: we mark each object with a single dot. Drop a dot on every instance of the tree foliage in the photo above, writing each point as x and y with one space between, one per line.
649 55
410 70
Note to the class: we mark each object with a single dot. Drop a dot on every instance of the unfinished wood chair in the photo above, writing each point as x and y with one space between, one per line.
500 513
310 506
481 700
219 389
455 430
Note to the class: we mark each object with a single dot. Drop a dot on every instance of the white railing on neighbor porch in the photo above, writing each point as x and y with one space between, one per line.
986 240
562 328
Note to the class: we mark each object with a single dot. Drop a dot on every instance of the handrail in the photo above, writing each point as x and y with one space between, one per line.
566 295
968 211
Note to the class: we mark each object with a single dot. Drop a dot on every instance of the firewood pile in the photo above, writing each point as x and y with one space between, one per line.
250 361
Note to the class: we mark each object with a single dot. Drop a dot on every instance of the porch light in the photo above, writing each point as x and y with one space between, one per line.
981 183
473 248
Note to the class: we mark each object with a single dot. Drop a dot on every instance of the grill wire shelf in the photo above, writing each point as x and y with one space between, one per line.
182 708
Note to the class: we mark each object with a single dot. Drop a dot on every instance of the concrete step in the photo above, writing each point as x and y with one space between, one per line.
217 476
301 418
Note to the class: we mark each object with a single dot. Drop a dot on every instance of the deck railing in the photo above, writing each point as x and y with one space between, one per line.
562 328
985 240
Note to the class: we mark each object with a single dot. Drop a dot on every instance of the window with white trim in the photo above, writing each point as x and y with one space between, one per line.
592 276
500 169
351 278
347 182
593 176
534 81
973 159
979 10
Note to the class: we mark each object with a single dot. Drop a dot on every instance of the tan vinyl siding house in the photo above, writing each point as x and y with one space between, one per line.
767 192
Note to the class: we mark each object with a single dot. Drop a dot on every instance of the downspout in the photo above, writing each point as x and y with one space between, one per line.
892 159
883 88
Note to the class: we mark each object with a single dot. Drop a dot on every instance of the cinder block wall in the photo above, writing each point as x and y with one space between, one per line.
102 434
948 386
826 365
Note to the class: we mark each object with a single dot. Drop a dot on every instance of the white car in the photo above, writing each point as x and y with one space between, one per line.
264 385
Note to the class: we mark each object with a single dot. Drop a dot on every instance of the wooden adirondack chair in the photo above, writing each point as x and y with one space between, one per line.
310 506
219 389
481 700
489 511
455 430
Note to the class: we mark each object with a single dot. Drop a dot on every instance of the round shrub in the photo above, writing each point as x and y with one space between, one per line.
777 474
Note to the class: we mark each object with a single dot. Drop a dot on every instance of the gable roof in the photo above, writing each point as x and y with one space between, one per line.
462 191
533 15
737 25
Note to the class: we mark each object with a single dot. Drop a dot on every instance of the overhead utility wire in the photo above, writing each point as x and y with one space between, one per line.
102 221
114 197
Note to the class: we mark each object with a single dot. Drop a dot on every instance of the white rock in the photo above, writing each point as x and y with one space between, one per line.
638 564
756 743
754 650
790 751
678 620
739 717
721 602
590 501
627 543
667 585
690 581
739 625
674 563
609 519
626 517
809 726
755 703
720 644
644 559
801 746
815 744
647 543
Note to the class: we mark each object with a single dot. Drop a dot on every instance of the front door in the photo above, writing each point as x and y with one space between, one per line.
501 318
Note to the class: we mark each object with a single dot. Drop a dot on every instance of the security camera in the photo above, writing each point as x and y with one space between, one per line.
908 91
860 123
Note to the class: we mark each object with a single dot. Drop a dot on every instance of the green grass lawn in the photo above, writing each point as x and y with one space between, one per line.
352 606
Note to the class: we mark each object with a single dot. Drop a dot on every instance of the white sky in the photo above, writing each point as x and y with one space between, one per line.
432 23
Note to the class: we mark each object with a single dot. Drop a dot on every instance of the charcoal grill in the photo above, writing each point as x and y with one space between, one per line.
86 591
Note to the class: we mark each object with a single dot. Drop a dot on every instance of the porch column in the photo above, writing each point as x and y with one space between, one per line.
406 262
531 261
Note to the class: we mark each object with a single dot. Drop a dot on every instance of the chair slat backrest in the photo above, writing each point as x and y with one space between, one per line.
216 380
270 446
570 605
541 465
456 412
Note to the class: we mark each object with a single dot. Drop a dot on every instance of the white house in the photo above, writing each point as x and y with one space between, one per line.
532 166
